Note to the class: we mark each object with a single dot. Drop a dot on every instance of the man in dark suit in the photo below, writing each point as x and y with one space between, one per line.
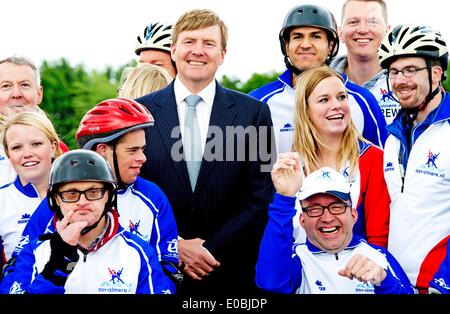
213 162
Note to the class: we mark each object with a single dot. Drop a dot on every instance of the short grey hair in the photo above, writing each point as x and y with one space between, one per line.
24 61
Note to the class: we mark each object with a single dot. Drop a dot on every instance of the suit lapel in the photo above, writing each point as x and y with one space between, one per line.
222 114
165 114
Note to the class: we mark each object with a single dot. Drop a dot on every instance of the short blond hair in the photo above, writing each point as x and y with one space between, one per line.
143 79
199 19
383 5
307 140
37 119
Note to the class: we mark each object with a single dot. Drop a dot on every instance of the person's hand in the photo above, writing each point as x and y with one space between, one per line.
70 231
198 261
286 175
363 269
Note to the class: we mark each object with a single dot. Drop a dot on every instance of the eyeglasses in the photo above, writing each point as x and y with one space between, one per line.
74 195
318 210
406 71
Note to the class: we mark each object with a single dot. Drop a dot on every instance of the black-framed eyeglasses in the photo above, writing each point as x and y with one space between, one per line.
73 196
406 71
318 210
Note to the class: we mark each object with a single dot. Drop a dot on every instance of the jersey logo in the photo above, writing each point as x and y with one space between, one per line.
24 219
326 175
364 287
430 167
287 128
172 246
320 286
134 228
389 166
431 159
22 242
386 95
441 283
115 283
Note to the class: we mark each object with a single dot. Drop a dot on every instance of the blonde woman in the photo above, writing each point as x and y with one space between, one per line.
31 144
326 136
143 79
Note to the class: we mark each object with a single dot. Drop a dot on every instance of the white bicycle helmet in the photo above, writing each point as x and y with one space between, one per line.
413 41
156 36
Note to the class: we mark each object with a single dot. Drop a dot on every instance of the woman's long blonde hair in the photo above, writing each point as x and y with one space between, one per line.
307 140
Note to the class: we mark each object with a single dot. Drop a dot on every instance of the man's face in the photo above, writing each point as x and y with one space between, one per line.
84 209
328 232
411 91
363 28
308 47
18 88
198 54
130 155
159 58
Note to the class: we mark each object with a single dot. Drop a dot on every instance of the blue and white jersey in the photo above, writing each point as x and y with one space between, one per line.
121 263
378 87
144 211
418 182
17 204
285 267
280 96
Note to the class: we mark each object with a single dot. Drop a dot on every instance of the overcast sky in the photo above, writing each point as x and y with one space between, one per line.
103 32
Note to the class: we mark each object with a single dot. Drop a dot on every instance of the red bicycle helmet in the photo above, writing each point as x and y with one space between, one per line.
111 119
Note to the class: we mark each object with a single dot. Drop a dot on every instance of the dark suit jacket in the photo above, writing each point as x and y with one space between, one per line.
229 205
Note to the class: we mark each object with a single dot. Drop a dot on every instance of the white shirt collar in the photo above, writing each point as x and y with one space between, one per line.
207 94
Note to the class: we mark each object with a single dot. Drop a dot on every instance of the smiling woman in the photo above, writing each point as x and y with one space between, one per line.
30 142
324 135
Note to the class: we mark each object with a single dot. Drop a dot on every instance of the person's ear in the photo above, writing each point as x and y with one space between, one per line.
436 74
102 149
354 213
341 36
302 219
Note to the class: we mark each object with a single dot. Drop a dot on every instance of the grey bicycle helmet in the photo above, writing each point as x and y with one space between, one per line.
155 36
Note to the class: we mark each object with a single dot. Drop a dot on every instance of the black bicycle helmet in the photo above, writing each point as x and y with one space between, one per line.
80 165
309 15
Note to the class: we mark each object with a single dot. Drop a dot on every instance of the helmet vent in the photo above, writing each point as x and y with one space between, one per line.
412 40
162 38
74 162
91 162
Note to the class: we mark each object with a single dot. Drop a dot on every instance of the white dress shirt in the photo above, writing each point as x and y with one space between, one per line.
204 107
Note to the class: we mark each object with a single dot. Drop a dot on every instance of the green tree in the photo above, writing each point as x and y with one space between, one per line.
446 83
71 91
255 81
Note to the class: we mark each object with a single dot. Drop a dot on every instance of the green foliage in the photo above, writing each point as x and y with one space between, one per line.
446 83
255 81
70 91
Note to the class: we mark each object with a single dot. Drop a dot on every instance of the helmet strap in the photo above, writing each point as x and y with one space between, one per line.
89 228
432 93
290 66
120 183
